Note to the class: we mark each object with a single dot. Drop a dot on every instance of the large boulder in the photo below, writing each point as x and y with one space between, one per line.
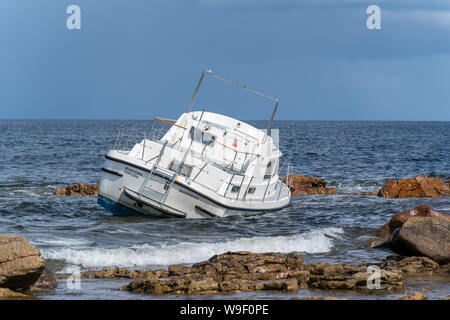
20 262
418 187
78 189
400 218
424 236
304 185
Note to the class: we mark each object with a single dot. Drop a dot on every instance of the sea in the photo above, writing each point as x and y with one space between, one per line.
75 233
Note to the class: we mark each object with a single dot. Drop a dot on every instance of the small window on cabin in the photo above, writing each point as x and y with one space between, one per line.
197 135
208 139
251 190
269 171
235 188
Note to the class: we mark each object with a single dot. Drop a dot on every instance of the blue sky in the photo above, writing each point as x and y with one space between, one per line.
134 59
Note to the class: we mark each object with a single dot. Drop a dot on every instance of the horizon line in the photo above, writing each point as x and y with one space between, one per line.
318 120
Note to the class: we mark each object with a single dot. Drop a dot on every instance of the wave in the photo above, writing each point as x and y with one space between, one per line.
314 241
357 187
62 242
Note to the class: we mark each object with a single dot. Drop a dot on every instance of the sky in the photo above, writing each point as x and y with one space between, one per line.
136 59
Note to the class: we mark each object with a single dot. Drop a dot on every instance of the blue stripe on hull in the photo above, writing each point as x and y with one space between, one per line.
115 207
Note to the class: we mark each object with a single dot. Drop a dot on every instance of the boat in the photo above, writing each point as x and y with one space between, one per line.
206 165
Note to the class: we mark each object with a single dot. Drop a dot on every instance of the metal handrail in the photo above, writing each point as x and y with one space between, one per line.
209 71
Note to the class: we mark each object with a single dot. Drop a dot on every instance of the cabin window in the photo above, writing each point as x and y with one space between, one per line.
251 190
269 170
199 136
235 189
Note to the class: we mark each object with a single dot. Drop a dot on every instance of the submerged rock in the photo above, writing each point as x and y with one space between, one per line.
424 236
78 189
418 187
304 185
322 298
234 272
414 296
47 280
20 262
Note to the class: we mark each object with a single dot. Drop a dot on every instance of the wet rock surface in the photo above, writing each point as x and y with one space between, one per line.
414 296
418 187
47 280
235 272
304 185
413 265
8 294
123 273
78 189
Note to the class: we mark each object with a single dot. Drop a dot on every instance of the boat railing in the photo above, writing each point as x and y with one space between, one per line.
126 138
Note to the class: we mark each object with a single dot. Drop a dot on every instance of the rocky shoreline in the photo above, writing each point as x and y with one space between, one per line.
238 272
23 272
417 187
420 236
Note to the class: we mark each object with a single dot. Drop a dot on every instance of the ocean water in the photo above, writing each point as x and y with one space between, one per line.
38 156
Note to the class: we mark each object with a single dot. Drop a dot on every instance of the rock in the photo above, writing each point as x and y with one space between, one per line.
382 242
176 285
78 190
345 277
47 280
400 218
20 262
418 187
411 265
304 185
117 273
7 294
424 236
415 296
322 298
243 271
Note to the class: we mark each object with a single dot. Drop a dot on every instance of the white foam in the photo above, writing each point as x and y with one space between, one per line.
315 241
356 187
62 242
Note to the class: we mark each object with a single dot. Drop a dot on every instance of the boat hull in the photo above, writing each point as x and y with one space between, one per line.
121 193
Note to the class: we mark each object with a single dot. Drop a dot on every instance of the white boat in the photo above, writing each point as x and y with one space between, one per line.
205 165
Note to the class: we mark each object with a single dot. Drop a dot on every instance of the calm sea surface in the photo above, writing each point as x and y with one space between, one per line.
38 156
